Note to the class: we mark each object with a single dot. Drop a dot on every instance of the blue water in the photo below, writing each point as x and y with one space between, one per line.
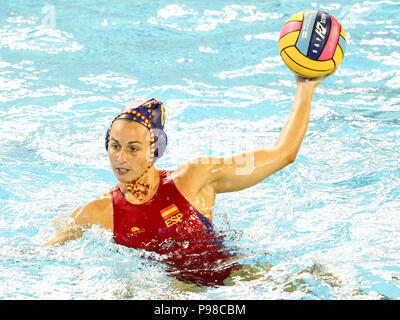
325 227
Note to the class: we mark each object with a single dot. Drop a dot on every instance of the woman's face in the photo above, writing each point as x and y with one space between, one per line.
128 149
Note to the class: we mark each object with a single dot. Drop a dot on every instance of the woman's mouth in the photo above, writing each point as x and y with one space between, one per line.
122 171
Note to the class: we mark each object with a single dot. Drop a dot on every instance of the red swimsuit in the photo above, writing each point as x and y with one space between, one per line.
168 224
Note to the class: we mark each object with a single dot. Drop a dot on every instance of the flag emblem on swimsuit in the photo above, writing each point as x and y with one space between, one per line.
171 215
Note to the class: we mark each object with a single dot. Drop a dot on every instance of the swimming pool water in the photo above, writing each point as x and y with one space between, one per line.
325 227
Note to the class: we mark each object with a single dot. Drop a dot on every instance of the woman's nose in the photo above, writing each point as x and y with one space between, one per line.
121 156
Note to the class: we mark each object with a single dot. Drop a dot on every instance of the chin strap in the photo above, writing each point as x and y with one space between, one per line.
134 186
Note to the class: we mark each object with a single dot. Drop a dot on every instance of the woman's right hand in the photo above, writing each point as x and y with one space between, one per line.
313 82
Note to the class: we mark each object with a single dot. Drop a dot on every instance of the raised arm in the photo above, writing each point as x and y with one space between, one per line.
244 170
292 134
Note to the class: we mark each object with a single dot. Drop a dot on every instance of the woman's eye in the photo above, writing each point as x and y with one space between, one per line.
134 149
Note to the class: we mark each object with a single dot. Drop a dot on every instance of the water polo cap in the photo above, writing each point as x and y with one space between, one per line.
151 114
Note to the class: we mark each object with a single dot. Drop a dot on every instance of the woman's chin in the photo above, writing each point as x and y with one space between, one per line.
125 177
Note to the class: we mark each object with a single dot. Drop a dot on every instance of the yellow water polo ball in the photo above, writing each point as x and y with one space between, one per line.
312 43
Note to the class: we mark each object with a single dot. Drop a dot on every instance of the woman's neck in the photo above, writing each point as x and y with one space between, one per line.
151 178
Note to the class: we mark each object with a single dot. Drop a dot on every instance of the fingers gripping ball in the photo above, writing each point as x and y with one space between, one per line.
312 43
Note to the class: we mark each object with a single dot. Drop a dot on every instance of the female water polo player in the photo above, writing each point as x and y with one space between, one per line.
170 211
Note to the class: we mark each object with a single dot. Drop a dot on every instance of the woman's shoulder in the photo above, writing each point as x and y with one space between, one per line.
98 211
191 176
103 203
